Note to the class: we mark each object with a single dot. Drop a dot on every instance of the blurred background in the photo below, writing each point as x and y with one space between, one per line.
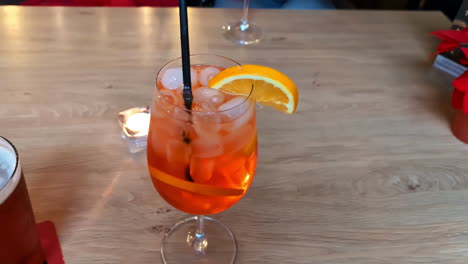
448 7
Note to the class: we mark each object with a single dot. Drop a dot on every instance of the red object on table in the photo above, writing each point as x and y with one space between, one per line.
453 39
457 39
50 243
109 3
460 126
460 103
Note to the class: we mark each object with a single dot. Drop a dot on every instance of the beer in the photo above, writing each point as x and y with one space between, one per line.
19 239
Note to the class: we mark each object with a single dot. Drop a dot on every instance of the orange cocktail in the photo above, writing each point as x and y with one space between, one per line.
202 152
201 161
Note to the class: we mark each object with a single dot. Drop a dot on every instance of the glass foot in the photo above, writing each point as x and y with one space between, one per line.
179 244
243 33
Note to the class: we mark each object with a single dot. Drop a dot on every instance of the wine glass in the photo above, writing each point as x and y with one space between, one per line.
243 32
201 161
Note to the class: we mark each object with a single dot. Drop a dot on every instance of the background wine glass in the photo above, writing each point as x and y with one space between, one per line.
243 32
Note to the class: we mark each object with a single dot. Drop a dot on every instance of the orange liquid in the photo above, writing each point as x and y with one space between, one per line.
201 164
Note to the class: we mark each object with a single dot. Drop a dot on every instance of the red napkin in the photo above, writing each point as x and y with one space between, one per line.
50 243
121 3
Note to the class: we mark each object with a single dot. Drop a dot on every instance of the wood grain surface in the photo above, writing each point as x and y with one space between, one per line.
366 172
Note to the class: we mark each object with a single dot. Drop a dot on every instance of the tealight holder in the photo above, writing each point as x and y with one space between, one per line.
134 124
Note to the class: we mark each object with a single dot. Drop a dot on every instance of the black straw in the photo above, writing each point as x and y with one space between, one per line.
184 43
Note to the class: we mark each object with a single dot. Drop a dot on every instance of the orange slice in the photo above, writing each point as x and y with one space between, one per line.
271 87
193 187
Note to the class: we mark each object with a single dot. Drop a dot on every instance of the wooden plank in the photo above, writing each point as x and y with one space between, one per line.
367 171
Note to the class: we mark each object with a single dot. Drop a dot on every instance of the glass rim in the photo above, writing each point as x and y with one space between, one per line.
247 98
5 188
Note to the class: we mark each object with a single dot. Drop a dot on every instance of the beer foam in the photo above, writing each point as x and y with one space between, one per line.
9 178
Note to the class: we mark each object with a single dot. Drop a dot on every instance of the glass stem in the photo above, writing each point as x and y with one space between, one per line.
200 243
200 221
245 14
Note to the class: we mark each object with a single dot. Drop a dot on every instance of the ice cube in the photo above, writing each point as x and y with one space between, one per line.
172 78
235 107
207 146
177 151
208 98
206 124
179 113
157 140
235 173
241 138
207 73
201 169
170 96
245 117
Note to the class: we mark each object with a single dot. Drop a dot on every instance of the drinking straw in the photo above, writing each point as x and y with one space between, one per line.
184 43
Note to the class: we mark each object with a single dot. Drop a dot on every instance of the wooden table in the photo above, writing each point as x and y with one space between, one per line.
367 171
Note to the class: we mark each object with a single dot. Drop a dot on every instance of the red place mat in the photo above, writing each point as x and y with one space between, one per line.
50 242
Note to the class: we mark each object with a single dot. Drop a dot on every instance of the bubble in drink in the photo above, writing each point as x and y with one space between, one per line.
173 79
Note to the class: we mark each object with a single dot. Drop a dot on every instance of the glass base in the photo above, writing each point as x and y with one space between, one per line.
243 33
178 244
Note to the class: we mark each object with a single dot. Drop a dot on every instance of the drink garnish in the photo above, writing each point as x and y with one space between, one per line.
197 188
271 87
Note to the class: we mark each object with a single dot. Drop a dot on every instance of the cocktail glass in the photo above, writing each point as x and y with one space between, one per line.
201 161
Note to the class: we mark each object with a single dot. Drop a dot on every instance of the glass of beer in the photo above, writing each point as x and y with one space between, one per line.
201 161
19 238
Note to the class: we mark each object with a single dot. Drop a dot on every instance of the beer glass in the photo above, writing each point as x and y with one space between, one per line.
19 238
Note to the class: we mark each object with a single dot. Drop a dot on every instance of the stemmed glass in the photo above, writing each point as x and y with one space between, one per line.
201 161
243 32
